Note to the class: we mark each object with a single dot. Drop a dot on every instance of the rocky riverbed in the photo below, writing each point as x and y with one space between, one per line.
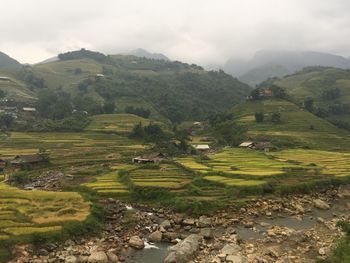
298 228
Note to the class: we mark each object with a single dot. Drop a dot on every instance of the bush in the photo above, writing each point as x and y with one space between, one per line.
259 116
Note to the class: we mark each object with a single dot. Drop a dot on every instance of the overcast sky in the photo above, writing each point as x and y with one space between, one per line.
196 31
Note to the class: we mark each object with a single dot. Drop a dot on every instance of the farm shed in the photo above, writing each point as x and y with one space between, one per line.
151 158
263 146
202 147
246 144
29 109
21 161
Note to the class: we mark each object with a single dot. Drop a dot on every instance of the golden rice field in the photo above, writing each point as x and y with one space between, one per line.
234 181
27 212
331 163
167 176
237 161
109 183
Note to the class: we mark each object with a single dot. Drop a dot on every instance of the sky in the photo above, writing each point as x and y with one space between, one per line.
205 32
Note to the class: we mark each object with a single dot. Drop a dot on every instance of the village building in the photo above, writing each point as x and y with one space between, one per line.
246 144
29 109
2 165
4 78
202 147
28 161
264 146
266 92
151 158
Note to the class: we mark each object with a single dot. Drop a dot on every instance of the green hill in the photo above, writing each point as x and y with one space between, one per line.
297 127
328 87
6 62
174 90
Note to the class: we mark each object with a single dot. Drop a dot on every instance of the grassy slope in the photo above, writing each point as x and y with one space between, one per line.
15 88
297 125
311 83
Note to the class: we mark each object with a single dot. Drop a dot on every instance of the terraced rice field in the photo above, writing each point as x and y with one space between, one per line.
331 163
109 183
70 148
168 177
236 161
28 212
234 181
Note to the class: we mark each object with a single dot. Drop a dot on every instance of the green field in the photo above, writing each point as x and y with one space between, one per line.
27 212
117 123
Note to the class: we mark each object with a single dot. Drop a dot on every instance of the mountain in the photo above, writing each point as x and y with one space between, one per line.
52 59
171 90
142 53
267 64
6 62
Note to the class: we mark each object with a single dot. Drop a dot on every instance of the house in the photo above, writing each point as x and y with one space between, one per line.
266 93
246 144
2 165
29 109
151 158
202 147
4 78
263 146
24 161
99 76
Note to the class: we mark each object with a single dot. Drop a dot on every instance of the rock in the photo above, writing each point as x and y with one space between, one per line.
204 221
170 235
43 252
98 257
136 242
318 203
231 249
166 224
70 259
206 233
323 251
236 259
248 224
188 222
155 236
185 250
299 208
112 258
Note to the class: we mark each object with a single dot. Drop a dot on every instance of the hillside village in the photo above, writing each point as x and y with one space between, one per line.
216 162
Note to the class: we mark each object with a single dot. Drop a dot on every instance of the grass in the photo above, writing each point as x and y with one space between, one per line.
29 212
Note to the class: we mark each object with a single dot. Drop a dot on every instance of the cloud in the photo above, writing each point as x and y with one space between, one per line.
203 32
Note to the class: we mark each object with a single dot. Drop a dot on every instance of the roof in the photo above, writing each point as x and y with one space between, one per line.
202 147
263 145
29 109
246 144
33 158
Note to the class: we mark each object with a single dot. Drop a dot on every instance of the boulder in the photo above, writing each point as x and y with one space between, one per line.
136 242
166 224
70 259
231 249
189 221
236 259
98 257
207 233
112 258
204 221
185 250
320 204
155 236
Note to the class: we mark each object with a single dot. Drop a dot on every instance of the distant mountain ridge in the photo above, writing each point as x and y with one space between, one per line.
266 64
142 53
6 62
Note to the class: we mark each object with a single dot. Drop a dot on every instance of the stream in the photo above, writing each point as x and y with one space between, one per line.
155 253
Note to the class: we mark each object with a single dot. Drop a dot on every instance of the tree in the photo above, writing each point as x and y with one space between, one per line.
6 120
309 104
259 116
109 107
255 94
2 94
276 117
137 131
228 133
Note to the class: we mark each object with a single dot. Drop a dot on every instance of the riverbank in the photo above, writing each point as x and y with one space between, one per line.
299 228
